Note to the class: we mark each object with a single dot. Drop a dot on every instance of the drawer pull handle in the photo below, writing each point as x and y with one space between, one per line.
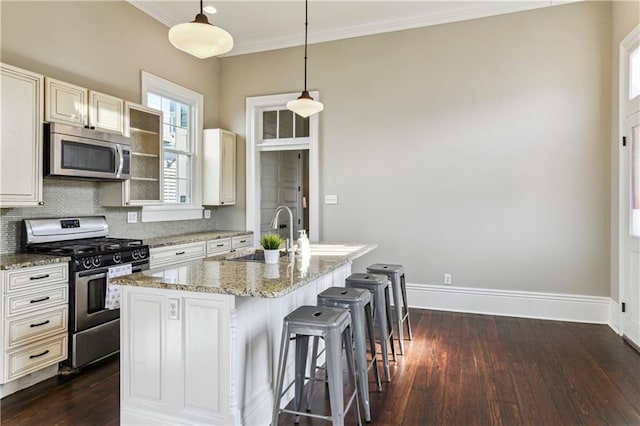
39 324
243 241
39 277
179 253
40 300
39 355
219 245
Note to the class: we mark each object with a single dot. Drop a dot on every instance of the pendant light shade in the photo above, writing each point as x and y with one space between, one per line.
199 38
305 106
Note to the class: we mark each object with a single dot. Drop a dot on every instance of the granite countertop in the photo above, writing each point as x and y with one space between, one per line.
192 238
256 279
27 260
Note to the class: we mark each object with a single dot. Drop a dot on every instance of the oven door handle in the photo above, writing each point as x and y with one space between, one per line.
92 275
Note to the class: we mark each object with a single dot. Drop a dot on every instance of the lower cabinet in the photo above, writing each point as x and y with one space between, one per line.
225 245
34 319
205 358
170 255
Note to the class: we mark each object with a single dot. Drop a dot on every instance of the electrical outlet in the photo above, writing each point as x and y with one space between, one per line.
207 214
447 279
174 309
132 217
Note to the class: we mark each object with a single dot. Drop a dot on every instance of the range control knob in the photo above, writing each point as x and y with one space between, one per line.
86 263
117 258
96 261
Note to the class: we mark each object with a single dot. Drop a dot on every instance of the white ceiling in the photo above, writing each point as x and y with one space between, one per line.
258 26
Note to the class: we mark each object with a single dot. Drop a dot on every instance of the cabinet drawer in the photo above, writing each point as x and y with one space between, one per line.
218 246
242 241
26 302
32 278
27 328
28 359
178 253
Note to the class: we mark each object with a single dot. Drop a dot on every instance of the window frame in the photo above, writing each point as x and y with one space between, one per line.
195 101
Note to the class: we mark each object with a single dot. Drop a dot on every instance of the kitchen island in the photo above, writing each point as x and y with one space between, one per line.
200 340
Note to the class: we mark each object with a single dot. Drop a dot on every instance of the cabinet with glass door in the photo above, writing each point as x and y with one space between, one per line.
144 127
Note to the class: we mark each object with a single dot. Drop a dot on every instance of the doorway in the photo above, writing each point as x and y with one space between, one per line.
629 190
277 136
284 181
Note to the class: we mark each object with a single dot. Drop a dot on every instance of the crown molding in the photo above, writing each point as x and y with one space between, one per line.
465 11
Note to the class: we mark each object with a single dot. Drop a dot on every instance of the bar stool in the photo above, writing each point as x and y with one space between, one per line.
379 288
395 273
358 302
334 326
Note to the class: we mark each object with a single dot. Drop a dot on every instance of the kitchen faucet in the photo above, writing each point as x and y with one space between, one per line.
274 225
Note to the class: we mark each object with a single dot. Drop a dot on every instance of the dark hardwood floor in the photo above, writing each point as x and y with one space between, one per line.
460 369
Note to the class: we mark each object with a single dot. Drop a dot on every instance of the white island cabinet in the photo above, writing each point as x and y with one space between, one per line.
200 340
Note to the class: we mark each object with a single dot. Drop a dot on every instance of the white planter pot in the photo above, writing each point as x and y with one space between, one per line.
271 256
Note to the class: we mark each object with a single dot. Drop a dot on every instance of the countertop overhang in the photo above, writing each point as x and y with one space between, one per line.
254 279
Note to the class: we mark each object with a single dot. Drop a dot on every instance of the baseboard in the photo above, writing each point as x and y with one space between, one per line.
28 380
524 304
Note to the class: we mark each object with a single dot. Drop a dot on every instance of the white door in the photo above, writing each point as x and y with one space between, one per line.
629 204
280 185
630 273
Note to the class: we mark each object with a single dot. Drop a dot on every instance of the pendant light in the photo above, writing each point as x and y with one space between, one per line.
199 38
305 106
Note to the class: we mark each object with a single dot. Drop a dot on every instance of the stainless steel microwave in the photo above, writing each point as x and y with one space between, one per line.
82 153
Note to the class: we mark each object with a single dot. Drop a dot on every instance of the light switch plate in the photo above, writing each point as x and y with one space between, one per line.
132 217
331 199
207 214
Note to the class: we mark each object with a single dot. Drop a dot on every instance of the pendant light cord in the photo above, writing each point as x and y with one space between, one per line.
306 24
201 9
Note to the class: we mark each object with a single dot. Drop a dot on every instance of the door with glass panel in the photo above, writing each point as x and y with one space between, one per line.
630 187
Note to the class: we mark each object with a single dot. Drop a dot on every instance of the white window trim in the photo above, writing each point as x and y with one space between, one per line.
166 212
253 147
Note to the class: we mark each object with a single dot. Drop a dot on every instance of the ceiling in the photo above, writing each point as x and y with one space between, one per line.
258 26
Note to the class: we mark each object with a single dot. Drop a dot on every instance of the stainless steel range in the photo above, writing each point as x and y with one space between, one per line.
94 330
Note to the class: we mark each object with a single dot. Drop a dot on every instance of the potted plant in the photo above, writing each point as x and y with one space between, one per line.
271 245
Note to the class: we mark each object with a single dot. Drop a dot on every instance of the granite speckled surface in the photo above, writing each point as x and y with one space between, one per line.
192 238
255 279
27 260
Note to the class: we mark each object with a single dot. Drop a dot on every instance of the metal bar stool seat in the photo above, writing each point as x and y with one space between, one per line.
379 289
358 303
395 273
334 326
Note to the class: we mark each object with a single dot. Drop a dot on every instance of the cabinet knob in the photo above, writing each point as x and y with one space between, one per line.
222 202
41 203
127 203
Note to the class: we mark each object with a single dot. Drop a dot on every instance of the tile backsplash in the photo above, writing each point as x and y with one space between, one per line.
79 198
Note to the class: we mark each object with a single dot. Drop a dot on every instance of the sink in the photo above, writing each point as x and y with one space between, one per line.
257 256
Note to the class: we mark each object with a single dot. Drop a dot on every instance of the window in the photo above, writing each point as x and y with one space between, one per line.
182 129
634 73
283 124
177 148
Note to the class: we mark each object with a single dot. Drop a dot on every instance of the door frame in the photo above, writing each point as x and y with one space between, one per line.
626 108
254 105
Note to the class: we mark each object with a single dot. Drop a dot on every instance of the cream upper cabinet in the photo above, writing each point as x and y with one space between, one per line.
70 104
143 125
106 112
219 182
21 137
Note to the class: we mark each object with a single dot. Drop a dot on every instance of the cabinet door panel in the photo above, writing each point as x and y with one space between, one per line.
105 112
228 180
21 138
66 103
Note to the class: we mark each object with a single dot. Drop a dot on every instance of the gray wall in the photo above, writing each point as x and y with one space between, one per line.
101 45
478 148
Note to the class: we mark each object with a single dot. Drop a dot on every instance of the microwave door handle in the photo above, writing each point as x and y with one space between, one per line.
119 161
